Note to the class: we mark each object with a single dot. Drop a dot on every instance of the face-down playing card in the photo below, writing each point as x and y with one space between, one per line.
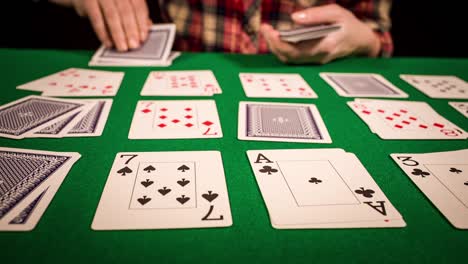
361 85
438 86
392 119
174 83
161 190
281 122
443 178
29 180
275 85
324 188
175 119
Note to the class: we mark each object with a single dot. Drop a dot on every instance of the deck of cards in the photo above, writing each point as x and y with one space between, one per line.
394 119
320 188
74 82
307 33
29 180
438 86
45 117
164 190
156 51
443 178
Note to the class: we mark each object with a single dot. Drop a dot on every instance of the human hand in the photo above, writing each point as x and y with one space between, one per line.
123 24
353 38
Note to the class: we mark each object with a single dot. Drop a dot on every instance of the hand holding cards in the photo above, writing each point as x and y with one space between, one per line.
307 33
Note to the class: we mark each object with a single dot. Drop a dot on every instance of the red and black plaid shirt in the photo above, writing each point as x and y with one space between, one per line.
233 25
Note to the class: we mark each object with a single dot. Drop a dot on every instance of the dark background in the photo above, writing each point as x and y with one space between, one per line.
420 28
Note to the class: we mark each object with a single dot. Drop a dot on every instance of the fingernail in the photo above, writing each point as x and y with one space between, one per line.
143 35
133 44
299 16
123 47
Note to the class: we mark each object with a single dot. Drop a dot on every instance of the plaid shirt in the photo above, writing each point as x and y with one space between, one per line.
233 25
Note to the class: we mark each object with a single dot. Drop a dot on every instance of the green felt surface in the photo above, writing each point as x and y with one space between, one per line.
63 235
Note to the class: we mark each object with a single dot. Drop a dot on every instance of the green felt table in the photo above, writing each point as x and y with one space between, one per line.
63 235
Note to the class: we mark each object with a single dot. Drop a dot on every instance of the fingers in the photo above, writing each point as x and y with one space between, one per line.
140 10
129 23
114 24
97 21
325 14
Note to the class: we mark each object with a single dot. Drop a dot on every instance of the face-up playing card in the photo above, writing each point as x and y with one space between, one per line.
281 122
443 178
405 120
162 190
320 188
29 180
175 119
361 85
180 83
274 85
27 115
438 86
77 82
461 107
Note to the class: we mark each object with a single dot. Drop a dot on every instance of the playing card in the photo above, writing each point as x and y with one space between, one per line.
154 51
443 178
180 83
320 188
275 85
119 63
281 122
75 82
92 123
27 115
361 85
161 190
438 86
175 119
392 119
461 107
307 33
29 180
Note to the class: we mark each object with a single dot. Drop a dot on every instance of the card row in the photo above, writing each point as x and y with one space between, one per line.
301 188
81 82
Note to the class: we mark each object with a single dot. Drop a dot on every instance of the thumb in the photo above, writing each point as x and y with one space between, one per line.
326 14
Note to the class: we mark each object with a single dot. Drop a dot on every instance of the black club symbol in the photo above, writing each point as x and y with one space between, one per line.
268 169
315 180
455 170
365 192
418 172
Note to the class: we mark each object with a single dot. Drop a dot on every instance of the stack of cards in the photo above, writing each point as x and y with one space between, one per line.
175 119
320 188
275 85
36 116
443 178
392 119
77 82
156 51
307 33
461 107
29 180
181 83
161 190
281 122
438 86
362 85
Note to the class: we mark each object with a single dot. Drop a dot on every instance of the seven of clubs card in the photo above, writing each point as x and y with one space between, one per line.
274 85
438 86
361 85
281 122
443 178
179 83
175 119
320 188
161 190
77 82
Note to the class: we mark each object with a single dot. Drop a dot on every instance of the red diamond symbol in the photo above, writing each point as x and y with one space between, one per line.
163 109
188 109
207 123
438 125
188 116
188 125
146 110
161 125
163 117
175 121
366 112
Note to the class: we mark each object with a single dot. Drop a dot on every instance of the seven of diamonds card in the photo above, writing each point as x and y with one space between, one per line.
275 85
161 190
175 119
